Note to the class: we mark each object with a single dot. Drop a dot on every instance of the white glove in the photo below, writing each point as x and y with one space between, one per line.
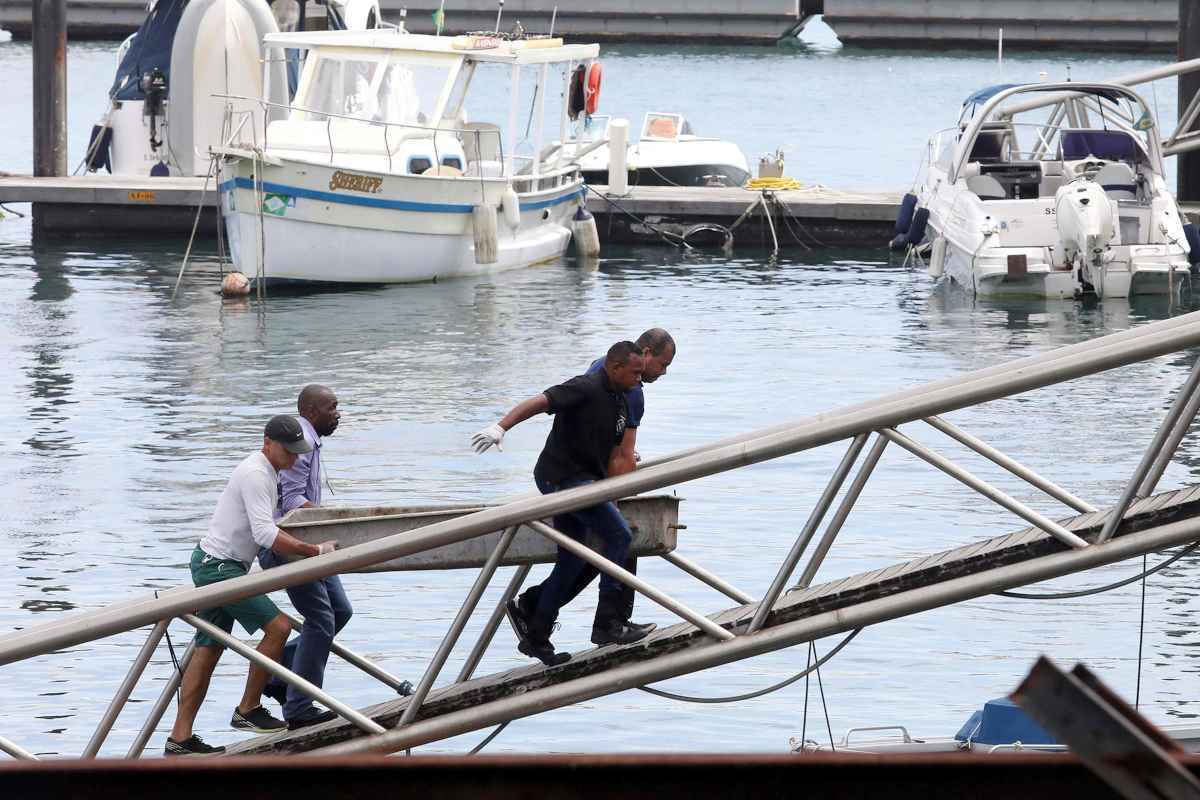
491 435
326 547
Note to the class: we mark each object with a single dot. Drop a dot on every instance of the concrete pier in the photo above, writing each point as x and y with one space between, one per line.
815 216
751 21
1131 25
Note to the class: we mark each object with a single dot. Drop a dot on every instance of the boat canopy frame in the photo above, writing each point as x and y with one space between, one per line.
1071 99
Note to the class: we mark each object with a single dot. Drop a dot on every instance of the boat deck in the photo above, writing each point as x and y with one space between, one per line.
980 557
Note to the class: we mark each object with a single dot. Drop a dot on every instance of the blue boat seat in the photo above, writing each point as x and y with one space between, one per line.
1109 145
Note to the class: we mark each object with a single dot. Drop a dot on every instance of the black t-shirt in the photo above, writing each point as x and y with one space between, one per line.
589 420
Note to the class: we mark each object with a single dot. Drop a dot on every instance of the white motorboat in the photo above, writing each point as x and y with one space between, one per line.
1051 190
373 175
177 74
667 153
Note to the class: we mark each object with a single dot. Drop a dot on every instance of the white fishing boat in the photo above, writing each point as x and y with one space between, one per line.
372 174
1050 190
667 153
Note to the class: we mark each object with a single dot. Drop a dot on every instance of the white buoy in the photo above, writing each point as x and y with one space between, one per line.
235 284
618 142
937 257
510 206
487 245
583 232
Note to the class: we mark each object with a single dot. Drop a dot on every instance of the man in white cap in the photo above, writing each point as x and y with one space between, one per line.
242 522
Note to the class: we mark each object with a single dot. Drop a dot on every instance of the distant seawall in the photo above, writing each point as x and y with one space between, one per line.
1132 25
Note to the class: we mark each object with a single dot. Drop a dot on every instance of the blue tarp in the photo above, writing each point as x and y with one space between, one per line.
150 48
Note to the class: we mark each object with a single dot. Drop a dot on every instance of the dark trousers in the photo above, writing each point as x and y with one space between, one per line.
571 574
326 610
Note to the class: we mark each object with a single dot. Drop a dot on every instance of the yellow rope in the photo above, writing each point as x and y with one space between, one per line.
777 184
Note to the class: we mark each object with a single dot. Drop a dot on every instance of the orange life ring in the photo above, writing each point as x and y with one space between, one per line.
592 92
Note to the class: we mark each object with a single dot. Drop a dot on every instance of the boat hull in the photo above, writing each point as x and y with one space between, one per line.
315 223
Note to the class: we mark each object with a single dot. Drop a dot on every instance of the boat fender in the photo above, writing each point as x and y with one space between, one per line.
904 216
487 244
937 257
592 97
1192 234
898 243
916 231
510 206
583 232
235 284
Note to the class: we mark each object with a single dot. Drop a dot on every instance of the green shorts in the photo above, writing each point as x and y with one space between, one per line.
252 612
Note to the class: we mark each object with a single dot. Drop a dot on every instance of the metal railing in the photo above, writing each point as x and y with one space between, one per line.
752 633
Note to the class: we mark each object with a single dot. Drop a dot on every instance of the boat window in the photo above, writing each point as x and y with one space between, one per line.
374 89
409 92
342 86
662 126
418 164
452 161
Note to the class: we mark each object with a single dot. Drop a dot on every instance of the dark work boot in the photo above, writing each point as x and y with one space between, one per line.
618 631
536 641
543 651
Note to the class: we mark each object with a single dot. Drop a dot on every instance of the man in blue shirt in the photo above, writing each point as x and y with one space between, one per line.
658 351
323 603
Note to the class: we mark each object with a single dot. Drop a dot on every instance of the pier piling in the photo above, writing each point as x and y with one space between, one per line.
1188 170
49 87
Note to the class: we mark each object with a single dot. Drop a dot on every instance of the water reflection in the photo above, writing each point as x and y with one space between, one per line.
51 329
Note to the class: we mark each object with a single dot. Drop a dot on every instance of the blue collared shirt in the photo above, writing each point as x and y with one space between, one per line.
302 482
635 400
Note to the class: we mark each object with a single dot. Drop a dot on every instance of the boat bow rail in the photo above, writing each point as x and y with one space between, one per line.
1139 523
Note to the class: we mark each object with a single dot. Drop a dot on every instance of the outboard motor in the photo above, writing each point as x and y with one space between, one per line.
1087 225
154 87
1086 220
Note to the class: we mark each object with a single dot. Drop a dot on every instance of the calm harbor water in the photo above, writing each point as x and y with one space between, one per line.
123 413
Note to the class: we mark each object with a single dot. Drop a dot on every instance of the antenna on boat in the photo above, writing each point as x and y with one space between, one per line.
439 17
553 17
499 11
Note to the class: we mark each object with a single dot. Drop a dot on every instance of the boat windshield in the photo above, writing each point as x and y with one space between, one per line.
379 88
1096 123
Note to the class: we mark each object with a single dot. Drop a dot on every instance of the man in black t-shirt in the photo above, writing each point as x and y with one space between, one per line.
590 415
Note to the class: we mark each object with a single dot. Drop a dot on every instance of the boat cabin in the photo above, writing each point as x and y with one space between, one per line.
395 102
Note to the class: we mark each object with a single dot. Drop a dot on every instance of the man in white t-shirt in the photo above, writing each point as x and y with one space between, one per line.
242 522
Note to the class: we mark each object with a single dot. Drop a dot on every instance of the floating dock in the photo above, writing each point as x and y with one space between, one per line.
812 216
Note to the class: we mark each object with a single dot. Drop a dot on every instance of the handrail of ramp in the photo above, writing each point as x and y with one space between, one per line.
856 423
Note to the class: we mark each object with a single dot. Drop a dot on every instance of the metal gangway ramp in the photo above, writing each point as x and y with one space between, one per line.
790 611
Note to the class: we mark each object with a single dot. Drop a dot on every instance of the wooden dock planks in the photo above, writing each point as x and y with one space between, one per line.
925 571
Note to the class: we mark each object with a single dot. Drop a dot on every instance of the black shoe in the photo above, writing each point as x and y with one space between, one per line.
312 719
258 719
191 746
517 618
405 688
621 632
543 651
